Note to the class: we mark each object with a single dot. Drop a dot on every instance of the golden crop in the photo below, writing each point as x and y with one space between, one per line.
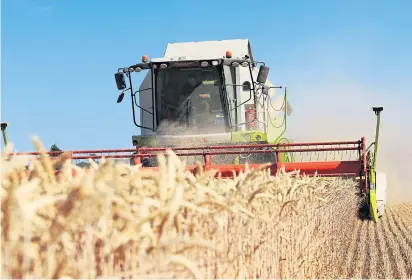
114 221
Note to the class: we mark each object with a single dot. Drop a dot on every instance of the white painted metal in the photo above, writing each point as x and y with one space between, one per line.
145 101
381 191
208 49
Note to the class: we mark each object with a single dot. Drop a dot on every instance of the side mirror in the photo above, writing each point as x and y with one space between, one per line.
120 98
4 125
120 81
263 74
265 90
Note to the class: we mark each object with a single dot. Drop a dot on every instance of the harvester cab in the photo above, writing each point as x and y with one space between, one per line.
206 93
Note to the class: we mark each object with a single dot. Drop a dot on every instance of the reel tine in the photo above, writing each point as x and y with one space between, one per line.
347 151
355 152
301 154
320 153
332 154
324 153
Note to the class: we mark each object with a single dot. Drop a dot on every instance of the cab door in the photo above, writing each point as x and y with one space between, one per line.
230 86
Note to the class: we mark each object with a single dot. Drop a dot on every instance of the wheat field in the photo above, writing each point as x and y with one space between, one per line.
113 221
384 249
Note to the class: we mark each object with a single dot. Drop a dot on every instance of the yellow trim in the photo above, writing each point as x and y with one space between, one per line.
247 136
373 208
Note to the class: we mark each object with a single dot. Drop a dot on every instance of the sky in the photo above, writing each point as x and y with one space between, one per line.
338 58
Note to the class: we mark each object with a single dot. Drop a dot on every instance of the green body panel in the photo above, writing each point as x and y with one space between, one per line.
373 209
247 136
4 137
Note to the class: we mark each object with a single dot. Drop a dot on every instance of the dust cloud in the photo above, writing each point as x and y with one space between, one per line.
172 128
337 112
175 134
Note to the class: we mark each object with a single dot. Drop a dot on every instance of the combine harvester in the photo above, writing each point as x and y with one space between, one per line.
212 102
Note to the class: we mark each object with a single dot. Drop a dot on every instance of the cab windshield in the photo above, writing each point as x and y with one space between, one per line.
190 99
